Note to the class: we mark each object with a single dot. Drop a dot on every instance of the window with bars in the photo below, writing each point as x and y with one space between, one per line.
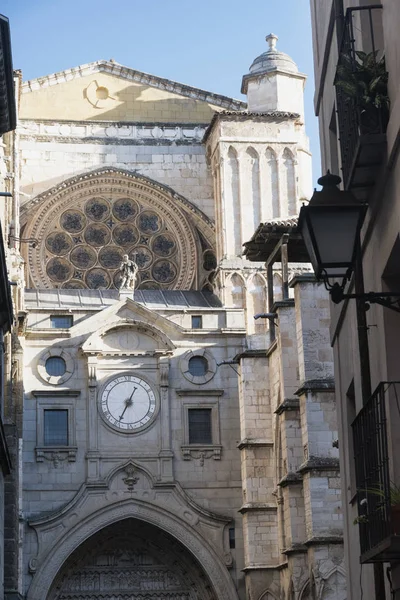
55 431
61 321
200 428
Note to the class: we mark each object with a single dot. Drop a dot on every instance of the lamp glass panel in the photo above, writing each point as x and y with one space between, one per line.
335 233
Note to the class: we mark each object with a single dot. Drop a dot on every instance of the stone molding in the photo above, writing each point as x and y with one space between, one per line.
290 479
316 385
56 454
53 352
211 366
288 404
201 453
317 463
128 74
106 132
105 502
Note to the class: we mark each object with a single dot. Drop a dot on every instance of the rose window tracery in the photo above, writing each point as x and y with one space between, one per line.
86 225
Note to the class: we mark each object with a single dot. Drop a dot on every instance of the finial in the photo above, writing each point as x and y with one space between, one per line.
271 40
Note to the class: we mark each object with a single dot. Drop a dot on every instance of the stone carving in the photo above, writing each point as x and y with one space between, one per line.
129 271
117 210
55 456
125 209
164 271
59 270
131 561
201 454
97 279
97 209
73 221
125 235
83 257
149 222
131 477
59 243
164 245
97 235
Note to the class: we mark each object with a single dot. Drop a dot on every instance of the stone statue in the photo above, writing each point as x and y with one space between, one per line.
129 271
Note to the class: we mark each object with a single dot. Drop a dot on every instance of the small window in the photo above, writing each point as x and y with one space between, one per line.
55 428
198 366
200 426
197 322
232 542
61 321
55 366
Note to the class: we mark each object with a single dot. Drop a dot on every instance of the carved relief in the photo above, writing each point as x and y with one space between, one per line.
85 228
131 560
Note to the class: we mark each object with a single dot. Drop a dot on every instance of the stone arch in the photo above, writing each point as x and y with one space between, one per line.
290 182
257 291
272 189
254 159
232 207
268 595
334 586
84 225
236 291
177 528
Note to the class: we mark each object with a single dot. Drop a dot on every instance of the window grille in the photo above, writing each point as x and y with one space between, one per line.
56 428
200 431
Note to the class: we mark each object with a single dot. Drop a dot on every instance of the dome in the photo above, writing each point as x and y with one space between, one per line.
273 60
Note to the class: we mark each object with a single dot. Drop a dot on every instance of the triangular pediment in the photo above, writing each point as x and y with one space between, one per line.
127 328
107 91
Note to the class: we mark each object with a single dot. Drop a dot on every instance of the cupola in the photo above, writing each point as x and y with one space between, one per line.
274 82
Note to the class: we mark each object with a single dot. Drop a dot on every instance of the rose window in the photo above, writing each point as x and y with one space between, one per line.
87 244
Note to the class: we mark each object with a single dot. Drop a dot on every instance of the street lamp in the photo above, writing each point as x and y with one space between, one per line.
330 225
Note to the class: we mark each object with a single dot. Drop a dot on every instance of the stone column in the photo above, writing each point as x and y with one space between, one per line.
166 454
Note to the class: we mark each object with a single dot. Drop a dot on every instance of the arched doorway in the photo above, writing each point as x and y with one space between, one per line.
131 560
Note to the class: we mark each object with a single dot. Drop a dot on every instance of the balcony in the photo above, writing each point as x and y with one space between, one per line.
362 121
378 505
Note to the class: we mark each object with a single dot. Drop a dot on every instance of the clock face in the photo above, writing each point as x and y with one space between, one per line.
128 403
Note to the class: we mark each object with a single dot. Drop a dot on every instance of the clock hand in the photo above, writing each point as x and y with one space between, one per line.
128 402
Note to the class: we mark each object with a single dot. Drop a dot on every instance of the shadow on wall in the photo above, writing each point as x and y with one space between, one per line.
144 103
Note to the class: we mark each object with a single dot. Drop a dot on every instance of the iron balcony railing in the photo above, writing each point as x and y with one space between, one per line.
379 524
356 116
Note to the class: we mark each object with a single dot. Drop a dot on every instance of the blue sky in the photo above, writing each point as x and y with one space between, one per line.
208 44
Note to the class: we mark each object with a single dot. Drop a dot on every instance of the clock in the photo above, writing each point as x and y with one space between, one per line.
128 403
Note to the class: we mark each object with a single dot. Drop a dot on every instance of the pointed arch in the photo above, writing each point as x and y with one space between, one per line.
334 586
258 303
255 186
235 288
272 190
233 213
290 181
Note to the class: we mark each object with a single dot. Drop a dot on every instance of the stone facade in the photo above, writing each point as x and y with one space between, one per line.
365 343
115 161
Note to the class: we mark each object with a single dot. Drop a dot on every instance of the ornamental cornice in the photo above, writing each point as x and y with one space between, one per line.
113 68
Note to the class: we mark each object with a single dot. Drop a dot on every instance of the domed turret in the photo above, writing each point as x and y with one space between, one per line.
273 60
274 82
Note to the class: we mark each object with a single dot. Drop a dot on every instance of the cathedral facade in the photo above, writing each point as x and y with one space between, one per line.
173 448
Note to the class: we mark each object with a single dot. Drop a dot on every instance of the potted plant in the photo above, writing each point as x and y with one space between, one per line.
394 497
364 81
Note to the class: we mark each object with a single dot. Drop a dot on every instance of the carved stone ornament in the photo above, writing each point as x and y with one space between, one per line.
86 225
201 454
56 456
131 477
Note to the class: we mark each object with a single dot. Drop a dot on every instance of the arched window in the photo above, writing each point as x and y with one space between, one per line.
235 291
233 215
272 184
255 187
290 182
258 297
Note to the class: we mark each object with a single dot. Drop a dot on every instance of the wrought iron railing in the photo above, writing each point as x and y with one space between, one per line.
374 488
354 120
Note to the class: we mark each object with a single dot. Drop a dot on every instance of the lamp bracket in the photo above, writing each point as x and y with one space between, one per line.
386 299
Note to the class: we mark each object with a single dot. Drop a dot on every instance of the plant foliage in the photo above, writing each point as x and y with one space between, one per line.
364 79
